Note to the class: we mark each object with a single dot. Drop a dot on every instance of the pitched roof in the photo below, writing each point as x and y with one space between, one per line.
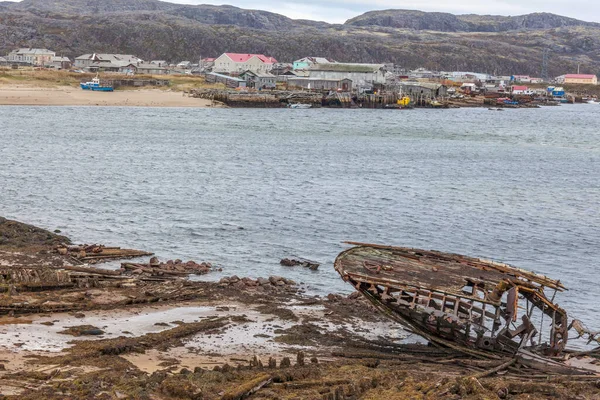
579 76
317 60
259 74
339 67
25 50
242 58
117 59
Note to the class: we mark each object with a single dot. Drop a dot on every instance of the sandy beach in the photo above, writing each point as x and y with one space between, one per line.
71 96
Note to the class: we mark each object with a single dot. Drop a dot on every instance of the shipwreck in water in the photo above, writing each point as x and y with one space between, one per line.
479 307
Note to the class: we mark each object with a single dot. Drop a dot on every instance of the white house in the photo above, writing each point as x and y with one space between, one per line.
238 63
38 57
521 90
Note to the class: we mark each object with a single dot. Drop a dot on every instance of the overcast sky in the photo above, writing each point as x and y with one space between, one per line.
338 11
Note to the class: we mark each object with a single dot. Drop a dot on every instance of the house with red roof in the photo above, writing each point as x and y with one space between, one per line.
581 79
522 90
238 63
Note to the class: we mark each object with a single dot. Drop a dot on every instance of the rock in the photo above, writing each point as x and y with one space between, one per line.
275 279
62 251
354 295
138 271
300 358
262 281
2 367
83 330
272 362
226 368
285 363
154 262
224 281
178 261
185 371
314 360
239 285
198 371
234 279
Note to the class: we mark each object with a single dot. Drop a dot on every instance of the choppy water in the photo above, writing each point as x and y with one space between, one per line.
245 188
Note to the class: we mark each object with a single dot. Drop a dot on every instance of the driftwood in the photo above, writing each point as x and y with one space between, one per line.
91 270
248 388
492 371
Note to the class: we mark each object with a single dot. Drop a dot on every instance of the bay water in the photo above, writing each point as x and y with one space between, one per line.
244 188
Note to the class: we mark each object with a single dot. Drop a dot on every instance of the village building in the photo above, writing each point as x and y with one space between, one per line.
143 69
184 65
37 57
521 90
206 63
361 75
160 63
423 90
307 62
281 68
578 79
105 62
521 78
235 63
262 80
60 63
3 61
229 81
344 85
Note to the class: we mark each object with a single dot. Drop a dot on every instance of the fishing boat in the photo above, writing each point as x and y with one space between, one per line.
96 86
300 105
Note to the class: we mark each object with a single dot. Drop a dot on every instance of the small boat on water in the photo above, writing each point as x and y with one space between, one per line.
96 86
300 105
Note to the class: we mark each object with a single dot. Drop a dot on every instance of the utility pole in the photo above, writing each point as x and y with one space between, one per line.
545 59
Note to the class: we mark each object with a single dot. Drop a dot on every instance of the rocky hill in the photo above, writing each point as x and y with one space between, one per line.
443 22
153 29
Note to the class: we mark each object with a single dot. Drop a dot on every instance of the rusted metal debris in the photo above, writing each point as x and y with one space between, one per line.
480 307
93 253
292 262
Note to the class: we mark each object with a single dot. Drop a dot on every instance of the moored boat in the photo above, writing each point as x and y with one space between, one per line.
96 85
300 105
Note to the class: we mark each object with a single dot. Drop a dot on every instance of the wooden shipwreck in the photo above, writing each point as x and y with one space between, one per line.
479 307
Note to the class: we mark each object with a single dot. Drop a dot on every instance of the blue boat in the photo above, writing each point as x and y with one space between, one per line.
96 86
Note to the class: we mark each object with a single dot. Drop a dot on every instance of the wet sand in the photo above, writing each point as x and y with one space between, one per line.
71 96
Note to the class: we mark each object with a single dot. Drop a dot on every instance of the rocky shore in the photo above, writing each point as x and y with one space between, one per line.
71 330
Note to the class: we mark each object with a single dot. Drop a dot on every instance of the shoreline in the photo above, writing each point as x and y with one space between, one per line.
75 331
26 95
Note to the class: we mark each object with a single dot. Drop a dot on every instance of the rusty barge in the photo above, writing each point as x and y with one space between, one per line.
479 307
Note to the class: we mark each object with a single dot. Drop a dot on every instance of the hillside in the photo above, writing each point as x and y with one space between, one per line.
153 29
444 22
